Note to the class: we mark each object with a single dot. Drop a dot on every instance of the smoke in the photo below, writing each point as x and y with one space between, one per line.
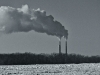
25 19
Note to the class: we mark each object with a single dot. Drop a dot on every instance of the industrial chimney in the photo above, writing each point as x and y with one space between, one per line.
60 46
66 51
66 47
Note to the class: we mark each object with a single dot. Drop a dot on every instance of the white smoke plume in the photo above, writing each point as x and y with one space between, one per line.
25 19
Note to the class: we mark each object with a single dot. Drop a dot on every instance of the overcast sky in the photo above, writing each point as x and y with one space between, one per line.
80 17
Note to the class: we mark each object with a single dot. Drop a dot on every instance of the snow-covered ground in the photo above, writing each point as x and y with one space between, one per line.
55 69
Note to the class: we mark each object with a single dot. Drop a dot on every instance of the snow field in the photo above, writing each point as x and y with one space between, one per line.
52 69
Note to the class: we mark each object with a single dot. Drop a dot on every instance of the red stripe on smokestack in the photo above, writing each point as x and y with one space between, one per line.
59 46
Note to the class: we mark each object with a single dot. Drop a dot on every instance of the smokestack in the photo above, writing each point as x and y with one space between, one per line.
66 37
66 47
65 50
60 46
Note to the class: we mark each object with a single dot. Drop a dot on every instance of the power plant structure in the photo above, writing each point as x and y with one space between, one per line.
66 50
65 47
60 46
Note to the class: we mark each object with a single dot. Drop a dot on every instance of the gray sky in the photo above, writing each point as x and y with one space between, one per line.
80 18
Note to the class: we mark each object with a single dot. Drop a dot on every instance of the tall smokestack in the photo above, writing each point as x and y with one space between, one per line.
65 50
66 37
66 47
60 46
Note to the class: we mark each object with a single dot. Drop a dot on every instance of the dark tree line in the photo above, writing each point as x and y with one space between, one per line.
54 58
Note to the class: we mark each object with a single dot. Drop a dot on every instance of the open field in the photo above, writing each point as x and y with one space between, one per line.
51 69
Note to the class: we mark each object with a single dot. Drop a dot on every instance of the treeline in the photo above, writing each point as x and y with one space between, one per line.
54 58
